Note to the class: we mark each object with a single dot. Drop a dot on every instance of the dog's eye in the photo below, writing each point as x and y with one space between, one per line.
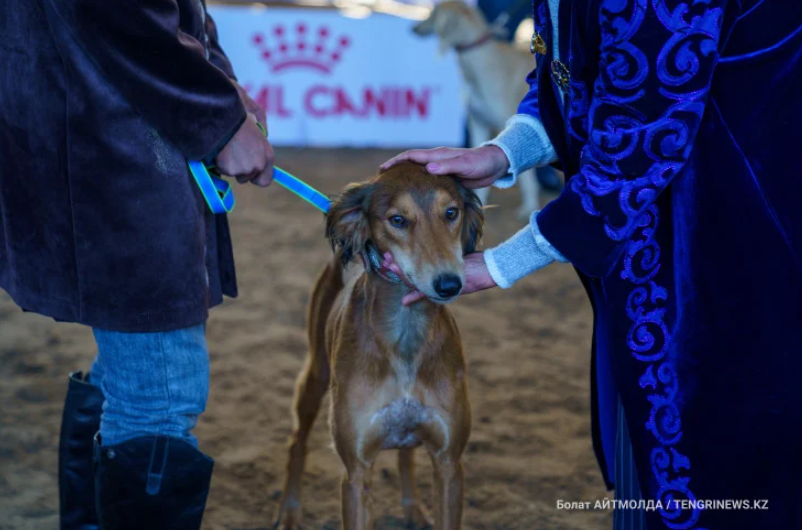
398 221
452 213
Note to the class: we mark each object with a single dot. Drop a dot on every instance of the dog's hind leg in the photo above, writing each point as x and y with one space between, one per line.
527 182
311 388
415 515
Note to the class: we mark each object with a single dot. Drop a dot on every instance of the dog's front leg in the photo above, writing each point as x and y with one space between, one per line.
357 504
357 443
448 490
415 515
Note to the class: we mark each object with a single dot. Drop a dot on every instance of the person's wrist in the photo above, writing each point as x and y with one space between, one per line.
210 158
493 270
499 161
477 277
522 254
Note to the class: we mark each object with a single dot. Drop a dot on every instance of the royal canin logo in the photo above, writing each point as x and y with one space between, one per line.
315 50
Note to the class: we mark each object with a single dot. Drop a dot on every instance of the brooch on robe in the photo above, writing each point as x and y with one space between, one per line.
560 75
537 45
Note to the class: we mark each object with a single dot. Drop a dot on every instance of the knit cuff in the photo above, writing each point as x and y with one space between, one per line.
526 144
522 254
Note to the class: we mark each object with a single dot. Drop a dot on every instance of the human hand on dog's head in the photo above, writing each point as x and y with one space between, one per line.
477 277
477 167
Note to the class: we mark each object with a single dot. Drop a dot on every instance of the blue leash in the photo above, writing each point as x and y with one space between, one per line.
220 197
302 189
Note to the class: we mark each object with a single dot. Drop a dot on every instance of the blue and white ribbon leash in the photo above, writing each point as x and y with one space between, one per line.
220 197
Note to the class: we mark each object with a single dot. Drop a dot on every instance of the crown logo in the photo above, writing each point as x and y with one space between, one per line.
301 48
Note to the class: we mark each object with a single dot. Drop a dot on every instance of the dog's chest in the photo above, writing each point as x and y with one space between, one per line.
404 415
399 422
404 404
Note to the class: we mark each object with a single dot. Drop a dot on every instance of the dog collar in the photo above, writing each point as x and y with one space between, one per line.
460 48
372 259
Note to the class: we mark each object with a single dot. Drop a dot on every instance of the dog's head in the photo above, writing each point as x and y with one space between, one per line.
454 23
427 222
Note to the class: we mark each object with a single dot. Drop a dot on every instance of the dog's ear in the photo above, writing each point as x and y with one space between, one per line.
347 225
446 26
455 22
426 27
473 220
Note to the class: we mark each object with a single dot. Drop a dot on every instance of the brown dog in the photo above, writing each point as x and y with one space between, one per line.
397 374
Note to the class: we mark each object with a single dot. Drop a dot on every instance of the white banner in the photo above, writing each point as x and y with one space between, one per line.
329 80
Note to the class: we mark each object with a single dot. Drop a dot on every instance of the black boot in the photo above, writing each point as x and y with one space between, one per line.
79 423
153 483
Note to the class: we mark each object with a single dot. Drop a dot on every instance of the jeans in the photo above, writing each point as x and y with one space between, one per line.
153 383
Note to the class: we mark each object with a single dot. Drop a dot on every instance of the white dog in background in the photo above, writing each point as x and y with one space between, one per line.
494 73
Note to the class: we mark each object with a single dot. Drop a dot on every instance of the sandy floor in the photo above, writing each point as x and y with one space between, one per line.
528 370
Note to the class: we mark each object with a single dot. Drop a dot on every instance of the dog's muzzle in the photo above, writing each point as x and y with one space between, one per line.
372 259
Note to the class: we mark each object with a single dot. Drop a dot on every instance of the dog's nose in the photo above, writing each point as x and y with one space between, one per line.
447 285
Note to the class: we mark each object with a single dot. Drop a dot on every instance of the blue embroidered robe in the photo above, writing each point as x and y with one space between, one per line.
679 126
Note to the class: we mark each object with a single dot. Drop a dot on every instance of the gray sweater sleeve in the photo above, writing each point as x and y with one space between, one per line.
526 145
522 254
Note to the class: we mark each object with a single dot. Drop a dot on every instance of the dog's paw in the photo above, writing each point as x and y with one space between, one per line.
289 518
416 517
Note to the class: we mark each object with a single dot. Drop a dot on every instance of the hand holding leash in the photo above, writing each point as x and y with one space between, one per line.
248 156
220 198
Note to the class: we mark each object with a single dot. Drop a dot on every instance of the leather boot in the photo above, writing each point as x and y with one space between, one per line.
79 423
151 482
